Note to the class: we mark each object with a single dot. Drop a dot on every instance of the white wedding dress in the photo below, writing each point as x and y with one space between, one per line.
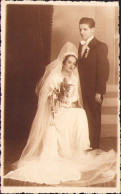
62 156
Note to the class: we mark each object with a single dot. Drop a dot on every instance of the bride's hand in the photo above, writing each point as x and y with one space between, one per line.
50 98
64 100
75 104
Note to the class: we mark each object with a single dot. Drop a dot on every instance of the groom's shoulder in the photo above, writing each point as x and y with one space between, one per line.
101 47
100 43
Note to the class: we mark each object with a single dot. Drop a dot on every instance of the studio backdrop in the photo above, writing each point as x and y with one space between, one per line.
34 36
28 51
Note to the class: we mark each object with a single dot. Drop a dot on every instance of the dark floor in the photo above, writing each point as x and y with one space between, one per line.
13 149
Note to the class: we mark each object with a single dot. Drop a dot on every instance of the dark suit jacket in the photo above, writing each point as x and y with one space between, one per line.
94 69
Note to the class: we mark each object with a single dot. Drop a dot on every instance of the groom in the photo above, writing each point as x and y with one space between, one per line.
94 71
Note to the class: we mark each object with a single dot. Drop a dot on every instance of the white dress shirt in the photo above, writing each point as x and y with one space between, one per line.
85 44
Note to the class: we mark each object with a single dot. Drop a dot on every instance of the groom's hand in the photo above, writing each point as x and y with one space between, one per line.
98 98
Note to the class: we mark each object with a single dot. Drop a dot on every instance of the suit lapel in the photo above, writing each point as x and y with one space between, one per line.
92 43
79 51
91 46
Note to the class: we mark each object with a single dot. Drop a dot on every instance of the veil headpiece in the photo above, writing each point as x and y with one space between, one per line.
43 115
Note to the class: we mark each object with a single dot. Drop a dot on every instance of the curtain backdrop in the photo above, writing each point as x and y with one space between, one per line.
28 50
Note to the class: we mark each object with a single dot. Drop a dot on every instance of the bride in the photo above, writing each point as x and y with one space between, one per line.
58 147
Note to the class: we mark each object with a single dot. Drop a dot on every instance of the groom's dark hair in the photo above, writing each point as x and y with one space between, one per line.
88 21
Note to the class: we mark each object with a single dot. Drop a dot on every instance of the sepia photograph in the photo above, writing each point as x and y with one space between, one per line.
60 129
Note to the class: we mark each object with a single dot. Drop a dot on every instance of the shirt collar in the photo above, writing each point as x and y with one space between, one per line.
88 41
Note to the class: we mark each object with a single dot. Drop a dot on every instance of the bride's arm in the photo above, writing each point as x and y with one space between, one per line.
53 89
53 85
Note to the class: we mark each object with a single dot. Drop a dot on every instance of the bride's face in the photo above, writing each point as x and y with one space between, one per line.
70 64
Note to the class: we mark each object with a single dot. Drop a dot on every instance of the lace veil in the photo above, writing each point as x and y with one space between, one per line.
43 115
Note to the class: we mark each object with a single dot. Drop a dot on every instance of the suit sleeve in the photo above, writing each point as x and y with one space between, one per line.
79 52
102 68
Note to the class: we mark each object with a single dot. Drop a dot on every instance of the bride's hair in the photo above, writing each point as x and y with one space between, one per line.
66 58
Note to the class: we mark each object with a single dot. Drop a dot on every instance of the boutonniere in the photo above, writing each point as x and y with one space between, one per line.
87 52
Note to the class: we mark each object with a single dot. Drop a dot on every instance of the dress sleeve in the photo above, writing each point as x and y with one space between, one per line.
54 84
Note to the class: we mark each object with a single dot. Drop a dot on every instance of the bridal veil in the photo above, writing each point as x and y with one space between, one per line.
43 115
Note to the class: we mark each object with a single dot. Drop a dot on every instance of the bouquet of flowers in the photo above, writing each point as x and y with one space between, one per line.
60 95
64 91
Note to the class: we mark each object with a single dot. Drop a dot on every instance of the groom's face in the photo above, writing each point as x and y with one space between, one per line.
85 31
